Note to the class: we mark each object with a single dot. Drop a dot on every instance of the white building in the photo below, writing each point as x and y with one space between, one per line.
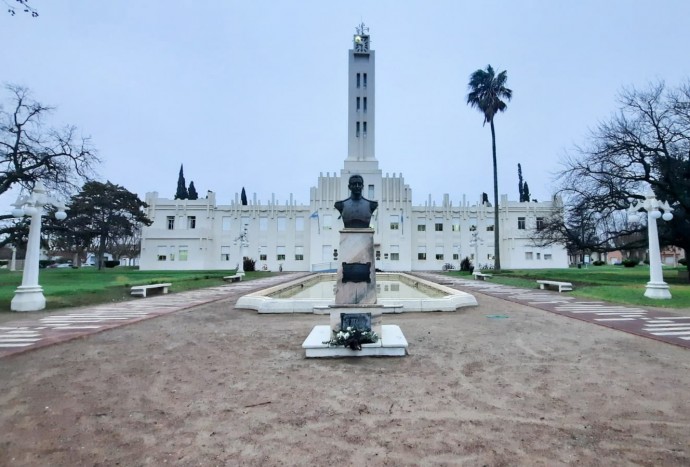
201 234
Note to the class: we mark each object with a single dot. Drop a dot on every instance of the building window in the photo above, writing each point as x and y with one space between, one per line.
357 130
456 225
280 253
299 253
528 255
371 192
521 223
421 253
327 223
395 256
421 227
182 252
395 252
538 255
358 104
456 256
364 79
281 223
438 226
365 105
489 228
378 255
171 222
439 253
395 222
364 129
299 224
225 253
263 257
540 224
263 223
191 222
547 257
162 253
227 223
358 80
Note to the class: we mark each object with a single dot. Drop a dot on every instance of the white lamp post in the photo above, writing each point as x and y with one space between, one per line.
29 295
474 242
656 287
244 243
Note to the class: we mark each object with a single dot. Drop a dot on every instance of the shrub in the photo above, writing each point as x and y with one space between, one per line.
44 263
646 261
111 264
683 261
466 264
630 263
249 265
598 263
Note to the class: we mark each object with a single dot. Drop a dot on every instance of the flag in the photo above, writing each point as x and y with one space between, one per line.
314 215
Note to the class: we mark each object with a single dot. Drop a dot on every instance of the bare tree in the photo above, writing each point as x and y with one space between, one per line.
645 145
30 152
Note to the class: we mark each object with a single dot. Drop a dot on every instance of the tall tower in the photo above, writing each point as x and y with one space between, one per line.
361 105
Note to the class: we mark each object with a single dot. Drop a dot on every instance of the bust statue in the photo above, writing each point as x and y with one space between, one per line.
356 210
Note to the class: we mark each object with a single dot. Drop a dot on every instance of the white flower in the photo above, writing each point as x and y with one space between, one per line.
349 328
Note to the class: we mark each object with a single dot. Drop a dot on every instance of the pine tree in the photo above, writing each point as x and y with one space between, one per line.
243 197
181 186
525 193
192 191
521 188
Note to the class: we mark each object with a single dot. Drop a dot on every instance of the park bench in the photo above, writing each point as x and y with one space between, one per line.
234 278
143 289
480 276
561 286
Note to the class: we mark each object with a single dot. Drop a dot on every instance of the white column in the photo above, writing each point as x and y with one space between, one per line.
656 287
29 295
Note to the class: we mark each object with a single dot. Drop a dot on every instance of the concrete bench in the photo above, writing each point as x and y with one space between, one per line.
561 286
143 289
480 276
235 278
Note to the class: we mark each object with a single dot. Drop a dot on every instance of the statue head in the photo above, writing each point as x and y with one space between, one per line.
356 185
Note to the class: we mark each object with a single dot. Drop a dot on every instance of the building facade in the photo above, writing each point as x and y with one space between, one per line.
201 234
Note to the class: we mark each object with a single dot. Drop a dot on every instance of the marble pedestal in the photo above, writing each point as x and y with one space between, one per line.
356 294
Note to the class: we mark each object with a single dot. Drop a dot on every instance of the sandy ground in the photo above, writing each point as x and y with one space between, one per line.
219 386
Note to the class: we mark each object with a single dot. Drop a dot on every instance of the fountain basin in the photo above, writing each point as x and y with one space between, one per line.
422 295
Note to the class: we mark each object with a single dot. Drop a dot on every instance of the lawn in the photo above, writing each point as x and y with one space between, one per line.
87 286
611 283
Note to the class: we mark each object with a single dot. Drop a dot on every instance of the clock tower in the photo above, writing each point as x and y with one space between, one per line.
361 105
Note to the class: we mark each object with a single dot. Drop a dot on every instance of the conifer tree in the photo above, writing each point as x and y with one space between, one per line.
243 197
181 186
191 192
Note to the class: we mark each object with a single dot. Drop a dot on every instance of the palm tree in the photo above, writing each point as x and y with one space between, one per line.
486 93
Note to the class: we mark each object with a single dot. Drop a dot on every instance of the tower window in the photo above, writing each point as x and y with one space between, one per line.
365 80
171 222
358 99
358 80
521 223
365 104
365 129
357 130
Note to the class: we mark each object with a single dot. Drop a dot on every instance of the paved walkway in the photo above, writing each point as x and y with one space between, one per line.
29 333
672 326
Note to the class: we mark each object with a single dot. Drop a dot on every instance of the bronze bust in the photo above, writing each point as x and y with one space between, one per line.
356 210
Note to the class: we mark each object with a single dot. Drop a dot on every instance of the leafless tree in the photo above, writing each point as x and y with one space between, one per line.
31 152
645 145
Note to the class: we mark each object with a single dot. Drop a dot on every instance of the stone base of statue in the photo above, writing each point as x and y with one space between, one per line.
356 279
392 343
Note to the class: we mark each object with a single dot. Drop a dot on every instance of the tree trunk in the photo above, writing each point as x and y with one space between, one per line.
497 246
101 251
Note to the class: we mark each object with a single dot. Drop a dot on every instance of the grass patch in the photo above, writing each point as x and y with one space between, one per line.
608 283
89 286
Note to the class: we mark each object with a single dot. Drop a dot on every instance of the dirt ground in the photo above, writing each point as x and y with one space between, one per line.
219 386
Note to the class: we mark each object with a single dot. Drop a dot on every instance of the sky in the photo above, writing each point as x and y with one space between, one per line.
254 94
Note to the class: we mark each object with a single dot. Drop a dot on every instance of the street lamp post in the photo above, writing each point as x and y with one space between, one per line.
29 295
656 287
474 242
244 243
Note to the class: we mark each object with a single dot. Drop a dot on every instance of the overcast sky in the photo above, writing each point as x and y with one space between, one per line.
254 93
